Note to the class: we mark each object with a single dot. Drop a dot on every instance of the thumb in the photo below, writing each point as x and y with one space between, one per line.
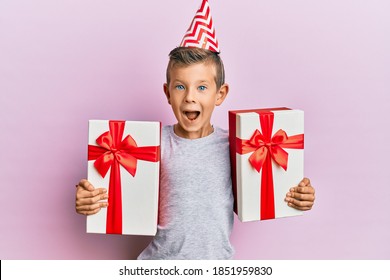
85 184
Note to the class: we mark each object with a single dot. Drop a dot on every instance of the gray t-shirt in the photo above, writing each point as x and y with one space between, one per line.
196 201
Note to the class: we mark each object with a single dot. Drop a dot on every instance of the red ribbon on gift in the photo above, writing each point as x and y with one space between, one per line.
112 152
266 148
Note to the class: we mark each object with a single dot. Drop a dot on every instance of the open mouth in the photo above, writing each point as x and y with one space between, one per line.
192 115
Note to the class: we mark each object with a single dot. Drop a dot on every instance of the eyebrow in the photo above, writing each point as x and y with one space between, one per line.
199 82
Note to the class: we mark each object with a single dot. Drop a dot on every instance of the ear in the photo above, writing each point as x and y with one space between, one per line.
167 94
221 94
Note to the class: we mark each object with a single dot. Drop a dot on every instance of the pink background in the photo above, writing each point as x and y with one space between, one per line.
65 62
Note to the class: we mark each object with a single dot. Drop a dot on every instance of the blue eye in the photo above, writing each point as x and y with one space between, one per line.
180 87
202 88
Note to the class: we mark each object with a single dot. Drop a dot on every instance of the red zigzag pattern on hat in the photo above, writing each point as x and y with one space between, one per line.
201 33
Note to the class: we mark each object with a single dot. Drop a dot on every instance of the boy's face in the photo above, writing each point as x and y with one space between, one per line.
193 95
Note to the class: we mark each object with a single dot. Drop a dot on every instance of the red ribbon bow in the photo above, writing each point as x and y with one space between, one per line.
266 148
112 152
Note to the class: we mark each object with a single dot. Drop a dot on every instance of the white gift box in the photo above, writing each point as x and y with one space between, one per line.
247 181
138 194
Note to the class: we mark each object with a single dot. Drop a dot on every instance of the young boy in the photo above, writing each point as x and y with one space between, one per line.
196 201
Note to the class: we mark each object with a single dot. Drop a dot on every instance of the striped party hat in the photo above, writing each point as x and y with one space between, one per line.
201 33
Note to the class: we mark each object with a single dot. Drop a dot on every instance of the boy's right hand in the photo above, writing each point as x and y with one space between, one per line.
88 199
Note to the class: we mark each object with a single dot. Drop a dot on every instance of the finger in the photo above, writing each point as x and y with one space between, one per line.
82 193
304 182
99 192
301 208
301 196
299 189
85 184
88 213
299 204
91 209
89 200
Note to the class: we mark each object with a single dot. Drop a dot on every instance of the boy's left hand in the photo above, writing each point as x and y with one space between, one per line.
302 196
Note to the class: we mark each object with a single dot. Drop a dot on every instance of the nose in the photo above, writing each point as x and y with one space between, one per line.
190 96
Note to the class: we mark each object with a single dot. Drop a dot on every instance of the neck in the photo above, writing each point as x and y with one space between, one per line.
179 131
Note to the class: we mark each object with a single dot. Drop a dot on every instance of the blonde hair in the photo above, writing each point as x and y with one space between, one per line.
184 56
